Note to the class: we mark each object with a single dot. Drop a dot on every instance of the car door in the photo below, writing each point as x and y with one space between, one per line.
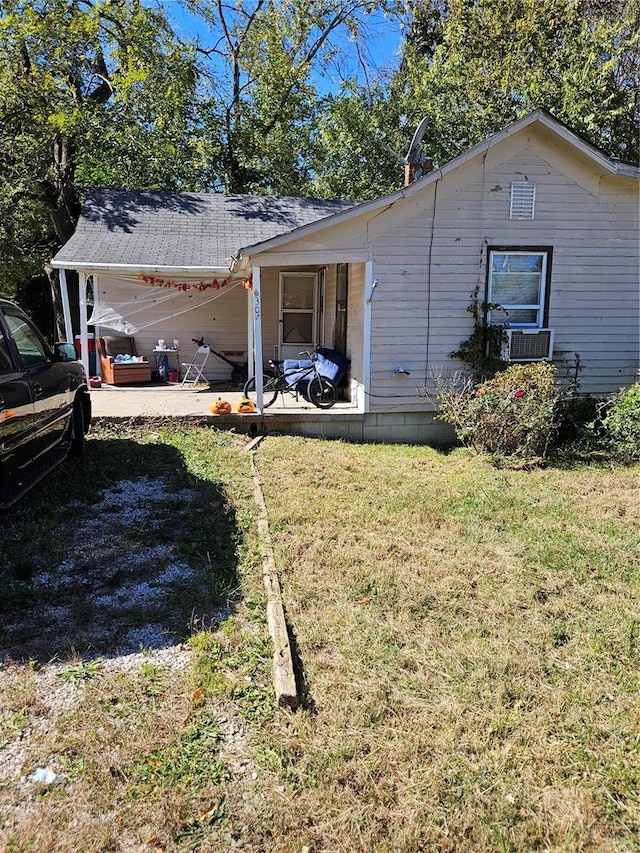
49 384
17 418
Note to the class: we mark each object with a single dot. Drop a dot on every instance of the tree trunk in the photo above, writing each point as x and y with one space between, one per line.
59 331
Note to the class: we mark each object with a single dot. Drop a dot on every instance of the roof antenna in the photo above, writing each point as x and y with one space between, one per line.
416 164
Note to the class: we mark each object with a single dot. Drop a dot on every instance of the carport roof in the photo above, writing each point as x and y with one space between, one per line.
123 229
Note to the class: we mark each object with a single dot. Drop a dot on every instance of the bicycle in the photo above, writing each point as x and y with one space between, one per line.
304 379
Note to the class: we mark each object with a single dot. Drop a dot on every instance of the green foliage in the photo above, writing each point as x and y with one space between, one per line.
264 106
622 422
97 94
248 656
475 65
482 350
512 415
576 418
354 133
191 760
81 671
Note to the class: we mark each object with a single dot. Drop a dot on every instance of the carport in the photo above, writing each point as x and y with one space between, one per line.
147 261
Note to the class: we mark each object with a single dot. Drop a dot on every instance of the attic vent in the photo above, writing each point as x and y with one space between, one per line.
523 200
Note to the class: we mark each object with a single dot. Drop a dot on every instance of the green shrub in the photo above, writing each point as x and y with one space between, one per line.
512 415
577 417
621 422
482 350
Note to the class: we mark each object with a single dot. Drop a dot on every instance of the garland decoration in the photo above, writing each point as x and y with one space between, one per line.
185 286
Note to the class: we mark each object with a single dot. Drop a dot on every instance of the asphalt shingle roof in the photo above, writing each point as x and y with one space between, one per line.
155 229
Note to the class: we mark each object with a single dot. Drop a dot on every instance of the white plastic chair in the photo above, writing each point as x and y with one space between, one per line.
194 371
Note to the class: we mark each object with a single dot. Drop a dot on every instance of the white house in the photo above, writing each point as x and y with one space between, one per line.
533 218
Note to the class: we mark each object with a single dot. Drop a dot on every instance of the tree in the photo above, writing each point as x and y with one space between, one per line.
358 144
265 67
102 93
475 65
91 93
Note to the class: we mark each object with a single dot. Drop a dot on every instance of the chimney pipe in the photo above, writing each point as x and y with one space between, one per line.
416 169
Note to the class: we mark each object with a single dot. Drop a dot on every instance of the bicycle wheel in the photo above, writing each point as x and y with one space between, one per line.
269 389
322 392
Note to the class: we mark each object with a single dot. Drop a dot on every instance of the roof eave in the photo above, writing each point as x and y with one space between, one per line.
627 170
82 266
374 205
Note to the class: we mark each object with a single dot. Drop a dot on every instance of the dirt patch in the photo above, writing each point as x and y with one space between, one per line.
98 615
112 593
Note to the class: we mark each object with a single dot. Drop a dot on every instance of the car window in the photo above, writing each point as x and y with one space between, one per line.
5 358
30 345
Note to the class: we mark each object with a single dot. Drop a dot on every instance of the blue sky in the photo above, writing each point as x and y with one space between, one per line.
381 45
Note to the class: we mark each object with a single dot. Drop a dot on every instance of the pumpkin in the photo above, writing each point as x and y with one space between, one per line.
245 406
221 407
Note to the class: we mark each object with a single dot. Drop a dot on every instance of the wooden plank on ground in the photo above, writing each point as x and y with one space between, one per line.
284 680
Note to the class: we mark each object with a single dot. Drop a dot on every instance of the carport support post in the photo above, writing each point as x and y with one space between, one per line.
84 335
250 362
66 309
257 337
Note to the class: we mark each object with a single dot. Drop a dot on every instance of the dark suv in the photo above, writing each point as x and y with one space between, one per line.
45 407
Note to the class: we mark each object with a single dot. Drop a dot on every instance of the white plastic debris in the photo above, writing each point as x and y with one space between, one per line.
44 775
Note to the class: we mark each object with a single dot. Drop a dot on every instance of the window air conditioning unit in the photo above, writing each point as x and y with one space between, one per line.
529 345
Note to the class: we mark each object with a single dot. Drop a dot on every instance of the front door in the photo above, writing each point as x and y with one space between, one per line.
298 313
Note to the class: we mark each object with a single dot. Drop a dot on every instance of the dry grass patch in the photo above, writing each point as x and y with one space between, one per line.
471 651
113 601
468 636
145 759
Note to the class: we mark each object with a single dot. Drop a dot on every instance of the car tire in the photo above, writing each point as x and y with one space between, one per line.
78 443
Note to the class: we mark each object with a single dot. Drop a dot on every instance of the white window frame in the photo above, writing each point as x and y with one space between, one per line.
538 307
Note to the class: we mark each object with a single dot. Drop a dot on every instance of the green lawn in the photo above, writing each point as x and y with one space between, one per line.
468 644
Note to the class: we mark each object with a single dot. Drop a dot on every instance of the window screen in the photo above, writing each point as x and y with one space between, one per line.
517 283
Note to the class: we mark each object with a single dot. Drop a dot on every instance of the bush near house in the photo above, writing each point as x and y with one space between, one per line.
515 414
621 422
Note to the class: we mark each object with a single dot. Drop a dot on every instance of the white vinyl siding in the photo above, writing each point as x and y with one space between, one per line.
428 273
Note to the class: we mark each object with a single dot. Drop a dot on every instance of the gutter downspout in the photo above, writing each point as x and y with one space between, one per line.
369 288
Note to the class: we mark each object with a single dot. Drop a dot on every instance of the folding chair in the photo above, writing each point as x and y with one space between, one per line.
194 371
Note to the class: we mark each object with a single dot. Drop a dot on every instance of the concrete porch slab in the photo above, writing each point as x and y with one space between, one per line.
288 415
110 401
